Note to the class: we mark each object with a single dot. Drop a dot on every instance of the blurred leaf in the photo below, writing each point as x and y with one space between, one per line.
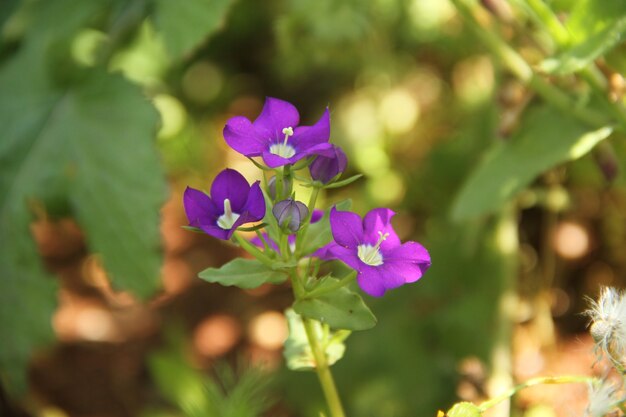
186 24
595 28
546 139
90 144
181 384
241 392
340 309
243 273
297 350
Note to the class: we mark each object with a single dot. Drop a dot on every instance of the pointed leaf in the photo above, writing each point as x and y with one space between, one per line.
340 309
547 138
243 273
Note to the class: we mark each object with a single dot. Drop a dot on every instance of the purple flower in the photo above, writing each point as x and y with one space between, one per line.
233 202
325 168
373 249
276 137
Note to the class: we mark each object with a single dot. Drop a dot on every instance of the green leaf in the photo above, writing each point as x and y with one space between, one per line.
184 25
547 138
464 409
243 273
595 28
340 309
89 144
319 233
298 352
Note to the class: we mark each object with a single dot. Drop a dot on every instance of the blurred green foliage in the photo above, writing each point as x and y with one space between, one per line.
433 123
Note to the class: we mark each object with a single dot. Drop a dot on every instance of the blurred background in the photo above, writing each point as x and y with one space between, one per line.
110 108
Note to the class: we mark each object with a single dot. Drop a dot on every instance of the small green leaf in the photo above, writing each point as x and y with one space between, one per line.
243 273
297 349
340 309
319 233
464 409
547 138
184 25
345 182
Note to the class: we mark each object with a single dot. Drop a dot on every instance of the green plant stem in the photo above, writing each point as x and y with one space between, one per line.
522 70
569 379
254 251
323 371
300 238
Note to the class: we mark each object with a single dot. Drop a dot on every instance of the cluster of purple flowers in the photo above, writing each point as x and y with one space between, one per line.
370 245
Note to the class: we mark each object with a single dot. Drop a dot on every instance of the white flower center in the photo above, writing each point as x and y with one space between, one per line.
226 220
371 254
284 149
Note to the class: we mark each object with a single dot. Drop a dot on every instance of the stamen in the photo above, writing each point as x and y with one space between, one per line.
371 254
288 131
226 220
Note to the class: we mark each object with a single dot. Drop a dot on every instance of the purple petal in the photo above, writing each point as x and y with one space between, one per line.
199 207
244 137
379 220
216 231
410 251
371 281
308 136
230 184
255 205
346 255
396 274
323 149
275 161
317 215
346 227
257 242
277 115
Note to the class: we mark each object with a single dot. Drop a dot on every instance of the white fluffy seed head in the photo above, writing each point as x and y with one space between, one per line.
608 324
603 398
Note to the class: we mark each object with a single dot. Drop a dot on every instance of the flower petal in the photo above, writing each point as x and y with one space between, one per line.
274 161
347 256
410 261
241 135
216 231
255 205
230 184
199 207
370 280
346 227
379 220
308 136
276 115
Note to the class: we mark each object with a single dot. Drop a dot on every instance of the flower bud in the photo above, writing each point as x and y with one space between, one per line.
290 214
325 168
287 187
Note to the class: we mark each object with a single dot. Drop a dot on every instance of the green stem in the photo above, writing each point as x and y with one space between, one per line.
332 287
254 251
569 379
522 70
300 238
323 371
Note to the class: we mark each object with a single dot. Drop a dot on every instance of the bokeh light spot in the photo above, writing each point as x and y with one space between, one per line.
268 330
